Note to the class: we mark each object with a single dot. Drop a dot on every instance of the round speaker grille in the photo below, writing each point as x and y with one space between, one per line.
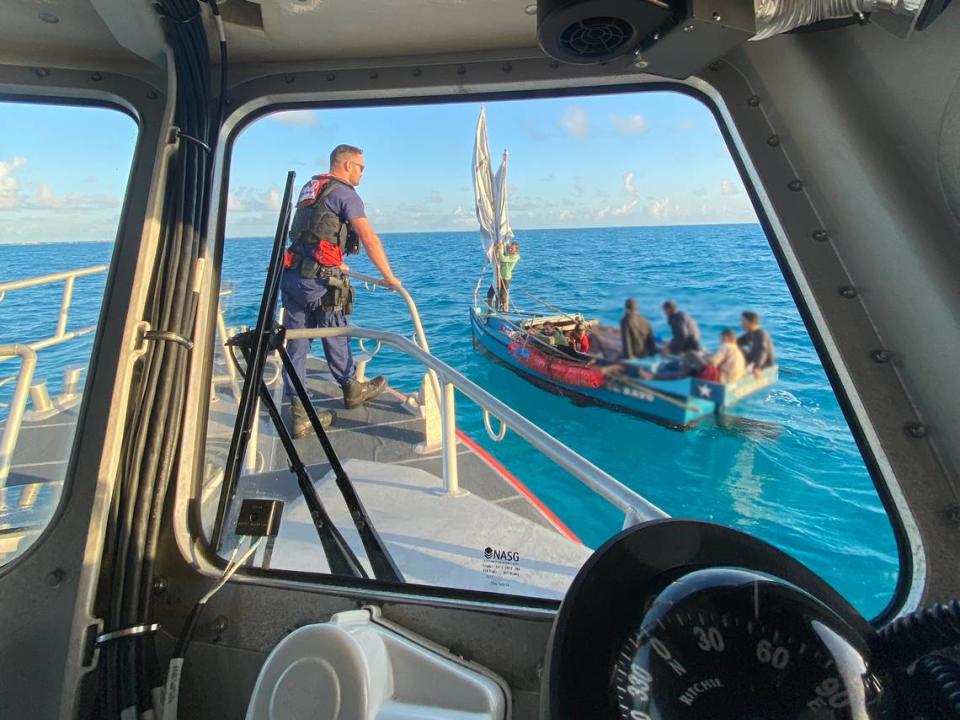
596 37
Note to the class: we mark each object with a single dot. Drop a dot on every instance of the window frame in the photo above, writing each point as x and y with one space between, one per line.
882 474
116 104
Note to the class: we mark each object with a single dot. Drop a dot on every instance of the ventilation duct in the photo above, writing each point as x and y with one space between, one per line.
779 16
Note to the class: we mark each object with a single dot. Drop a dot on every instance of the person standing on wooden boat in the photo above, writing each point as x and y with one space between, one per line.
508 261
686 332
728 359
756 344
636 335
330 221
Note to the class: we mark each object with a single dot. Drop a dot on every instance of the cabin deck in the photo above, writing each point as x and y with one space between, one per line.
435 538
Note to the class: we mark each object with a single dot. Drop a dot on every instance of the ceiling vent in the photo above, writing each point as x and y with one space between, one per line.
596 31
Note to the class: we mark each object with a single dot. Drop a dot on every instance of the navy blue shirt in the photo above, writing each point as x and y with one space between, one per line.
686 333
757 345
345 202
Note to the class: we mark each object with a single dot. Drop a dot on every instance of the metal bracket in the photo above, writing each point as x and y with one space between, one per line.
133 631
167 336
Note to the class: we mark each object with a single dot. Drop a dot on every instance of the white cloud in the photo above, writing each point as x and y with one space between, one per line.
46 197
658 207
249 200
628 185
272 200
436 197
629 125
9 185
627 208
463 217
728 187
297 118
576 122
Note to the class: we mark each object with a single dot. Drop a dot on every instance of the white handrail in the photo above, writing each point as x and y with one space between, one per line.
68 278
419 333
18 404
635 507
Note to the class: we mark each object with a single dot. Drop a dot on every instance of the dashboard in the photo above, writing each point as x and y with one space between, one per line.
678 619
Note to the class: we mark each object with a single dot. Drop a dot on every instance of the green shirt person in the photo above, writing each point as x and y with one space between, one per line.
507 259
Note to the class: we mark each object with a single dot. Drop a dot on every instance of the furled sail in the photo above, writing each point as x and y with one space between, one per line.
483 187
503 232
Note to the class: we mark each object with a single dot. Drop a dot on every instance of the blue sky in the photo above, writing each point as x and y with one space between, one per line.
614 160
63 172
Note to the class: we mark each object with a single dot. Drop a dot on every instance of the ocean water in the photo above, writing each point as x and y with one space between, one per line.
788 472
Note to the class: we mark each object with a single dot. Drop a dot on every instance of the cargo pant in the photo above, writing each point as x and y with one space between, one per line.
301 304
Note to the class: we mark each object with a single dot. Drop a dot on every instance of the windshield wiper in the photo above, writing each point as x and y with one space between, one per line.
255 345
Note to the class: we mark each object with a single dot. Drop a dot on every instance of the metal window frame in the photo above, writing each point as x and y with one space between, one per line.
784 213
48 618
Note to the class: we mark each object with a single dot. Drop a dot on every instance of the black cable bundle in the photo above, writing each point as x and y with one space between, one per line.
934 628
932 688
131 670
939 678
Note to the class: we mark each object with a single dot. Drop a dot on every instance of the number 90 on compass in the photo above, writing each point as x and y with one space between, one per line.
730 644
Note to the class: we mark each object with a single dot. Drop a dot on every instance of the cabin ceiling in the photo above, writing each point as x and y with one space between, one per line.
66 33
282 30
78 33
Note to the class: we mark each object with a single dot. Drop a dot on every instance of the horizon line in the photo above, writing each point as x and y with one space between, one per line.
418 232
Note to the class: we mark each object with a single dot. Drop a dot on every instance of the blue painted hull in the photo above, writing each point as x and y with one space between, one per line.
667 402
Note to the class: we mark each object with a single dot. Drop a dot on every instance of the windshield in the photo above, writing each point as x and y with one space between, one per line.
698 388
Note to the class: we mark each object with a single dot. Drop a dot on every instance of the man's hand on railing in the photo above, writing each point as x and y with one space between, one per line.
392 282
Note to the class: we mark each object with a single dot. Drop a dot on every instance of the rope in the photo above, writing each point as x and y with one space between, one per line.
576 318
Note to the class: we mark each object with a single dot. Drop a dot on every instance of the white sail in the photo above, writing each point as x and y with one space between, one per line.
503 232
483 187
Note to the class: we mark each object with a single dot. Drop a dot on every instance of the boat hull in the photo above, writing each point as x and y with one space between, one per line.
666 402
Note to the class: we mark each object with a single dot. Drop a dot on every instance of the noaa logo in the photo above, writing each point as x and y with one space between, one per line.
505 555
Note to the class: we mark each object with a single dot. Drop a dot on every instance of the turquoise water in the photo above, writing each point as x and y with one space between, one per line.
789 472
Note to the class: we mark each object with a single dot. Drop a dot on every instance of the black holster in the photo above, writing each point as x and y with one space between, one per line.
339 294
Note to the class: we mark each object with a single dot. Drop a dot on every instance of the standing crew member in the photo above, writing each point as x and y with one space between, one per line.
507 261
685 331
756 344
636 335
330 221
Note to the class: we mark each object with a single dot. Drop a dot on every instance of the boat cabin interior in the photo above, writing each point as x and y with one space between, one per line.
168 549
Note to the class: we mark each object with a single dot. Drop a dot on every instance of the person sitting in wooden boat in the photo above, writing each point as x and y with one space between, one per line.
636 335
507 260
728 359
685 331
756 343
579 340
552 335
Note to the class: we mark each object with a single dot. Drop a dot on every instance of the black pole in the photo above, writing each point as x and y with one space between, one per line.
340 557
253 377
382 563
